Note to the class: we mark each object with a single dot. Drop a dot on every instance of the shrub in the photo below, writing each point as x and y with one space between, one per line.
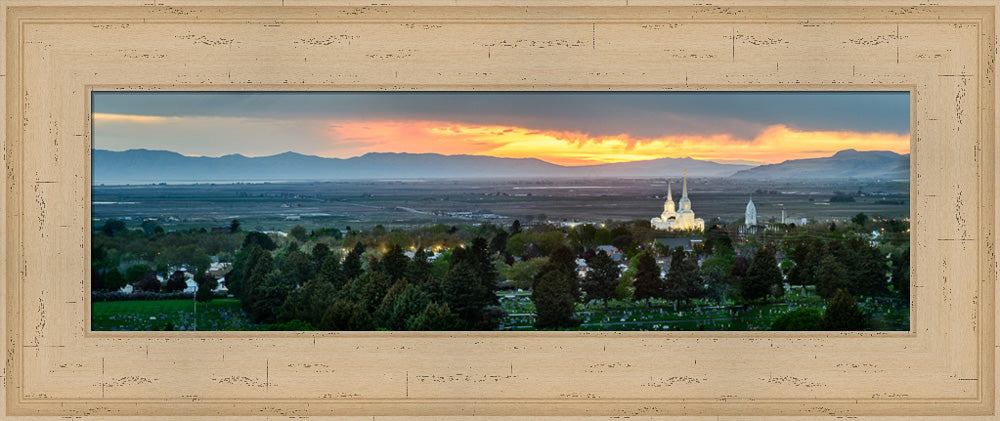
799 319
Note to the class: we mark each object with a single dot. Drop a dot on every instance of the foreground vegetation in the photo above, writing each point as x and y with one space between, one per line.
490 277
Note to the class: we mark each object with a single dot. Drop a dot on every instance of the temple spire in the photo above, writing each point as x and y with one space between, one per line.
684 195
670 195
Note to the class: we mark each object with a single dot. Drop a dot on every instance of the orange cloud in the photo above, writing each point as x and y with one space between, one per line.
775 144
132 118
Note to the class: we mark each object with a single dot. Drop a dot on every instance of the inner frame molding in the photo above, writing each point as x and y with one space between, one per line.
56 55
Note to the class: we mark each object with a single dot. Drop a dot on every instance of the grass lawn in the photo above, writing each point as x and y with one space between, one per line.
218 314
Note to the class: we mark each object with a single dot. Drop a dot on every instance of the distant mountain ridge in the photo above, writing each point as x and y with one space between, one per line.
147 166
846 164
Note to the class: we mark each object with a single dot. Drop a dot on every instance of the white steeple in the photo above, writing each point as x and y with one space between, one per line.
685 203
751 215
668 206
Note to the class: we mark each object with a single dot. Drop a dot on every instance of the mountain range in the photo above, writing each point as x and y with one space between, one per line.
149 166
845 164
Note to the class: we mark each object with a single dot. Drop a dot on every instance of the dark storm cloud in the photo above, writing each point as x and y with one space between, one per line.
638 114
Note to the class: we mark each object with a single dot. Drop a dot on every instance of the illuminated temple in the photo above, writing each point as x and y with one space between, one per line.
678 219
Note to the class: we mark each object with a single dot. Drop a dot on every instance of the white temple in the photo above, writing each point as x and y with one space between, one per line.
751 216
678 219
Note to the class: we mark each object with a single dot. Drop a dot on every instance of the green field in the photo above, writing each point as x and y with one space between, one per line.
220 314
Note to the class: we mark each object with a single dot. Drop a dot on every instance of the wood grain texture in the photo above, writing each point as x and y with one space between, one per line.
944 367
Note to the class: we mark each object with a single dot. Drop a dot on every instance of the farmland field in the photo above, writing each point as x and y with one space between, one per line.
414 203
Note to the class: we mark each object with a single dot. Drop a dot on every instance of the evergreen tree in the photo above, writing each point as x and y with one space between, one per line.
319 254
267 296
479 254
297 267
602 278
554 291
900 273
258 265
352 263
499 242
331 272
762 274
515 227
406 306
715 273
384 310
867 268
346 315
298 232
469 286
113 280
683 282
861 220
647 281
806 251
738 273
842 313
418 270
437 317
723 247
260 239
372 286
459 290
394 263
236 277
308 303
206 286
112 227
830 277
136 273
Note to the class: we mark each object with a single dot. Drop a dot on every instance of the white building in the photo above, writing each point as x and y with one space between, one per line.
678 219
751 215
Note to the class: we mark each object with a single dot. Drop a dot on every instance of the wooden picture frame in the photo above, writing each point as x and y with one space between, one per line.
57 51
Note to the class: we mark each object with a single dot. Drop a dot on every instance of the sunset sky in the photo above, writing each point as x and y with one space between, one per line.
563 128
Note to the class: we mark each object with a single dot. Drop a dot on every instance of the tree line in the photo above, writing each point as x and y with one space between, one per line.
376 286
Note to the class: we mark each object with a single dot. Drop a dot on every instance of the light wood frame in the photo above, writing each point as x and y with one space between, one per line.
944 55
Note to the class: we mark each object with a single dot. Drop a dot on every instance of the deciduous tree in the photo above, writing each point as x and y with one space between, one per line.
175 282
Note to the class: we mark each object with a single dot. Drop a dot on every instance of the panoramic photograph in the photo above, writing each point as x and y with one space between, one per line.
447 211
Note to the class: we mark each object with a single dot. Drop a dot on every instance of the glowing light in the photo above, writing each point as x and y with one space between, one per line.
775 144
